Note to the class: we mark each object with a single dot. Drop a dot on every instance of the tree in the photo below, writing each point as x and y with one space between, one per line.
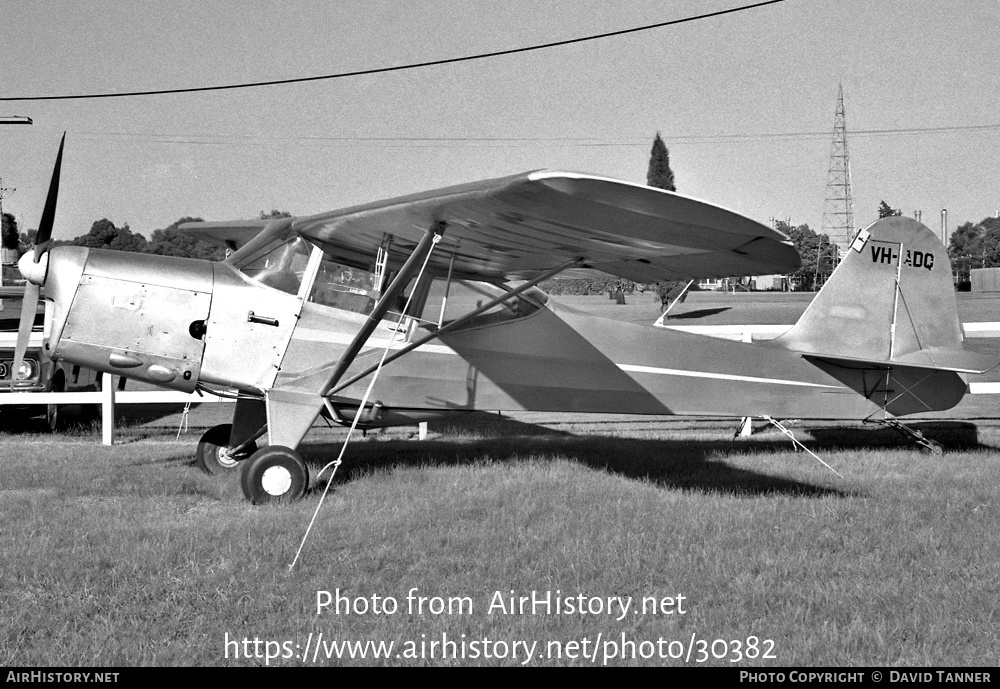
26 241
964 240
975 246
172 242
9 237
104 235
808 244
887 211
990 250
273 215
660 175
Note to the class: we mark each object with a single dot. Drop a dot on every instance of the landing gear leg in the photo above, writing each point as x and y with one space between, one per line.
274 473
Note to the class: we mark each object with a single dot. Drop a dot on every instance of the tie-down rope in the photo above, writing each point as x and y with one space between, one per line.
796 443
364 400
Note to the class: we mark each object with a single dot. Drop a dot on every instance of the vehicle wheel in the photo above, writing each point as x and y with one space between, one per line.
52 420
274 473
213 455
93 412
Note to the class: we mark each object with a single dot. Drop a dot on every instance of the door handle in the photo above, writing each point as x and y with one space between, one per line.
263 320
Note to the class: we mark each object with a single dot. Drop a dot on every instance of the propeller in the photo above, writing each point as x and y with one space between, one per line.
34 266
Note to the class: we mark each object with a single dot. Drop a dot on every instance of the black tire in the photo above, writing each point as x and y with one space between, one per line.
53 420
213 456
274 473
94 412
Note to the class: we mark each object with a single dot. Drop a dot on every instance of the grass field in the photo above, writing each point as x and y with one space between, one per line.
754 554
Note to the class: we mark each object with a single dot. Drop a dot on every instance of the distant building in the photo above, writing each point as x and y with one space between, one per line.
985 279
712 284
9 274
760 283
770 283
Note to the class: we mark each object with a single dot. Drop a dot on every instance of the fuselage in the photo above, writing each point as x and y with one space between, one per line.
181 322
560 359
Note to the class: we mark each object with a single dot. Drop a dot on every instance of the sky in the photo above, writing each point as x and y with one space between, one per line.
745 103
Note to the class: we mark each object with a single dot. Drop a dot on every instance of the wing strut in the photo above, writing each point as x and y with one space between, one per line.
458 322
396 287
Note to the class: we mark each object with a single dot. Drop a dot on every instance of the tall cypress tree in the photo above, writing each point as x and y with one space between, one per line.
660 175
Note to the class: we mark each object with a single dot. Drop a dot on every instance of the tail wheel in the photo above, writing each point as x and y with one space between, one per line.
274 473
214 455
932 447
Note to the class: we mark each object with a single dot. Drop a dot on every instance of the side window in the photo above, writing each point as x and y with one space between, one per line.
343 287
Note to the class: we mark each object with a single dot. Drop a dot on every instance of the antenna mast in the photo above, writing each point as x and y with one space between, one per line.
838 211
3 194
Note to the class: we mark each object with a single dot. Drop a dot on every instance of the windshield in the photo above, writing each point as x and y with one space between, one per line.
281 266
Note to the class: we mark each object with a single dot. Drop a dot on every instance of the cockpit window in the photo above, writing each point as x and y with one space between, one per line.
344 287
281 267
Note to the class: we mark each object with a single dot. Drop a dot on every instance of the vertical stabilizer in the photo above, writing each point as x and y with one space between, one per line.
891 300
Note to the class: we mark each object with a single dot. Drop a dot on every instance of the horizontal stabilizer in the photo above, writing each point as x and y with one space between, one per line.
953 359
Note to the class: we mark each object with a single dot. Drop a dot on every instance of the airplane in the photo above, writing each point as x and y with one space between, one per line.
415 308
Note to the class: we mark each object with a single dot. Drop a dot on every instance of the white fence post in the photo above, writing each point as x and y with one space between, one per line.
108 409
746 425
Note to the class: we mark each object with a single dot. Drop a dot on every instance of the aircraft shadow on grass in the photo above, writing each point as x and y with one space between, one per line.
686 464
953 435
698 313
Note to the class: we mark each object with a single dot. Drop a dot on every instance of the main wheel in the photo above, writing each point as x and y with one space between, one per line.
214 456
274 473
52 421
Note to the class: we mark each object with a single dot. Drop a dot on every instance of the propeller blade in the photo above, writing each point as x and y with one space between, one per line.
33 290
28 309
49 213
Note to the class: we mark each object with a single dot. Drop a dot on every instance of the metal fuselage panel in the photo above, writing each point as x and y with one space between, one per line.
558 359
131 315
321 336
167 320
247 331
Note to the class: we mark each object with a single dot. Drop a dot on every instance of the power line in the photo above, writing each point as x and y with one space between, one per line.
397 68
195 138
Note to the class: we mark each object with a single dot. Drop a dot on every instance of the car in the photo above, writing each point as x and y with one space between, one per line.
38 372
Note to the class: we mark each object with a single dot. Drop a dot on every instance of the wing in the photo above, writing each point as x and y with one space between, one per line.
230 235
518 226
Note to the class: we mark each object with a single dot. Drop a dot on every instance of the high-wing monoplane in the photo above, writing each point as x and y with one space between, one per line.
413 308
